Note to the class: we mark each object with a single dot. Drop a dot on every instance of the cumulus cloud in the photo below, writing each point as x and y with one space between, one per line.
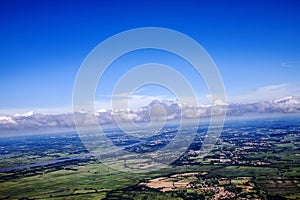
6 120
156 110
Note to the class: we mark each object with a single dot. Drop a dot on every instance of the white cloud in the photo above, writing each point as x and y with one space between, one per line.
149 108
220 102
26 114
191 113
124 100
266 93
6 120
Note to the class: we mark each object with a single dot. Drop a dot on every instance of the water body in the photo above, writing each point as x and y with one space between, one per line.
21 167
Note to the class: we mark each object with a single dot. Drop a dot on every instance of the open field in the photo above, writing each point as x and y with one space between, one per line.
249 162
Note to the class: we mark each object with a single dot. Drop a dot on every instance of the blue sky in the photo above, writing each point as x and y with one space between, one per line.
255 44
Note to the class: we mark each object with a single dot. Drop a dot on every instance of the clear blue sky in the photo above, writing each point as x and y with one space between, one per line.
255 44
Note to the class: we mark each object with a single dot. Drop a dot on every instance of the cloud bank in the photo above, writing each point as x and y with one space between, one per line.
156 110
